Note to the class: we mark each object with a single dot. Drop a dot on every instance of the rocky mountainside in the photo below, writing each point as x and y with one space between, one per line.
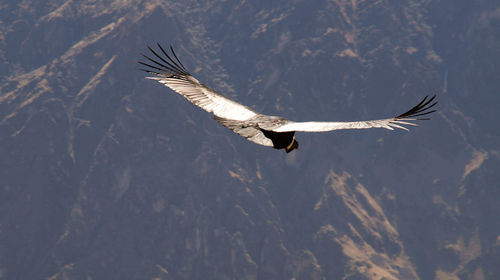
107 175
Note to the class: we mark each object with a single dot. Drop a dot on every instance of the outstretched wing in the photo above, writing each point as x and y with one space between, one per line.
421 109
174 75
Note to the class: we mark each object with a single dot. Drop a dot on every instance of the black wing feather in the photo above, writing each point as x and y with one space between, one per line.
421 109
170 66
176 58
165 66
152 66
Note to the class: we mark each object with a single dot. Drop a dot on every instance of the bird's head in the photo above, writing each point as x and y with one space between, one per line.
293 145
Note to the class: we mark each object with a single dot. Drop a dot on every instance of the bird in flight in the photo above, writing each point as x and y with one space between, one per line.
272 131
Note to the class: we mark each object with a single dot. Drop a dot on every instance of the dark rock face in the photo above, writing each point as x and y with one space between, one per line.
107 175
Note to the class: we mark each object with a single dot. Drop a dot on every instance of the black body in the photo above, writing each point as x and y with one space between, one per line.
282 140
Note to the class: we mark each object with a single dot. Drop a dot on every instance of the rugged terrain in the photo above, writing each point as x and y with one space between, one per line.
107 175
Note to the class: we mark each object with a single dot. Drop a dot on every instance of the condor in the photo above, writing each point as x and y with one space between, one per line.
272 131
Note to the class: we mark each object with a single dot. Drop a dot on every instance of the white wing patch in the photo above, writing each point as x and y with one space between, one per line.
207 98
329 126
421 109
